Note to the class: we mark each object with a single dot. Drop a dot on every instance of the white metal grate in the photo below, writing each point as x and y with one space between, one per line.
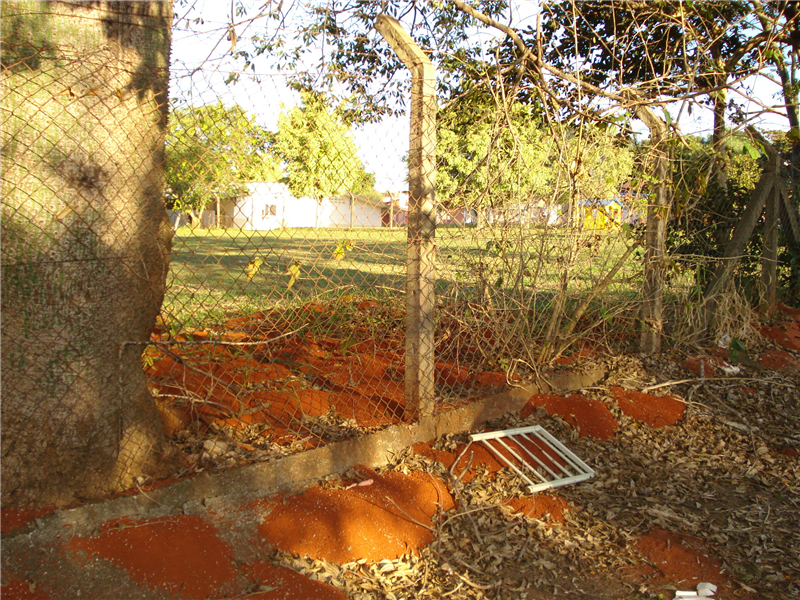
536 456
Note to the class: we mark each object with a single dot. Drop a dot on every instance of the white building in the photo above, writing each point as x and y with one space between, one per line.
272 206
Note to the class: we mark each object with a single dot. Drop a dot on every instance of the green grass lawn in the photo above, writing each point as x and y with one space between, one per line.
516 266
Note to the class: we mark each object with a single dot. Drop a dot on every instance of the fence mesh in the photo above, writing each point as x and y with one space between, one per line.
85 244
285 249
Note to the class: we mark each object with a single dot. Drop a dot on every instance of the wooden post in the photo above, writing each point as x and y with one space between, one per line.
769 255
420 279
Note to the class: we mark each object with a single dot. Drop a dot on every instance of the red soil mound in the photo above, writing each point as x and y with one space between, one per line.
278 384
705 366
786 334
13 518
656 411
591 417
778 360
444 457
685 562
180 554
480 457
477 457
534 507
387 519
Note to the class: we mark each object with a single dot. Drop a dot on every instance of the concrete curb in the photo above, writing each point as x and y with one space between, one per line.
300 471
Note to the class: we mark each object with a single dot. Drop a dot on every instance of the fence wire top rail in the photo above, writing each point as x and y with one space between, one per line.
538 454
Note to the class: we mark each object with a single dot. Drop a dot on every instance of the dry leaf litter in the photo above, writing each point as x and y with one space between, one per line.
727 475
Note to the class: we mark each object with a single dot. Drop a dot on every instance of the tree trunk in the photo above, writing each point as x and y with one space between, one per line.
86 242
719 152
788 208
718 171
658 207
733 251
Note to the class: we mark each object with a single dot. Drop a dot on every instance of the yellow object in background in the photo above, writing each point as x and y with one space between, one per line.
294 271
252 268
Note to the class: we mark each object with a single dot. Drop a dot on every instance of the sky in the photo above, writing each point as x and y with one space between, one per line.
381 146
200 65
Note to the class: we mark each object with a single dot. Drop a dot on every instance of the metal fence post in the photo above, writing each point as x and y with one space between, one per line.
420 300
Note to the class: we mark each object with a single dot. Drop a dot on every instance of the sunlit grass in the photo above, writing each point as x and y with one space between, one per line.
516 266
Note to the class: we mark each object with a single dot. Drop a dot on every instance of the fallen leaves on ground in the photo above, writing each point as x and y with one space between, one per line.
724 482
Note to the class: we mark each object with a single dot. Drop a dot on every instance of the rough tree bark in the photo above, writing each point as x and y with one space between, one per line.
86 243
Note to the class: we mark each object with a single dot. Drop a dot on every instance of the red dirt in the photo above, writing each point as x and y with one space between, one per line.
21 590
444 457
184 557
792 313
656 411
481 458
578 356
684 561
778 360
180 554
13 518
362 380
786 334
540 505
477 457
387 519
705 366
591 417
287 584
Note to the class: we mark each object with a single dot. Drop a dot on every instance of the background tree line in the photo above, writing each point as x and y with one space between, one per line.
214 150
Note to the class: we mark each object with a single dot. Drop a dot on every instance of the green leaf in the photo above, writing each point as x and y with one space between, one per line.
735 348
752 151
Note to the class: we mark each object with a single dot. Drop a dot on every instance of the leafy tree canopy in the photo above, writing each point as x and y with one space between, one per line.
212 151
337 43
489 157
319 155
600 161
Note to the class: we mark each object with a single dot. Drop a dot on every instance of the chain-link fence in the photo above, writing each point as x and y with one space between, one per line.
292 240
285 321
85 244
